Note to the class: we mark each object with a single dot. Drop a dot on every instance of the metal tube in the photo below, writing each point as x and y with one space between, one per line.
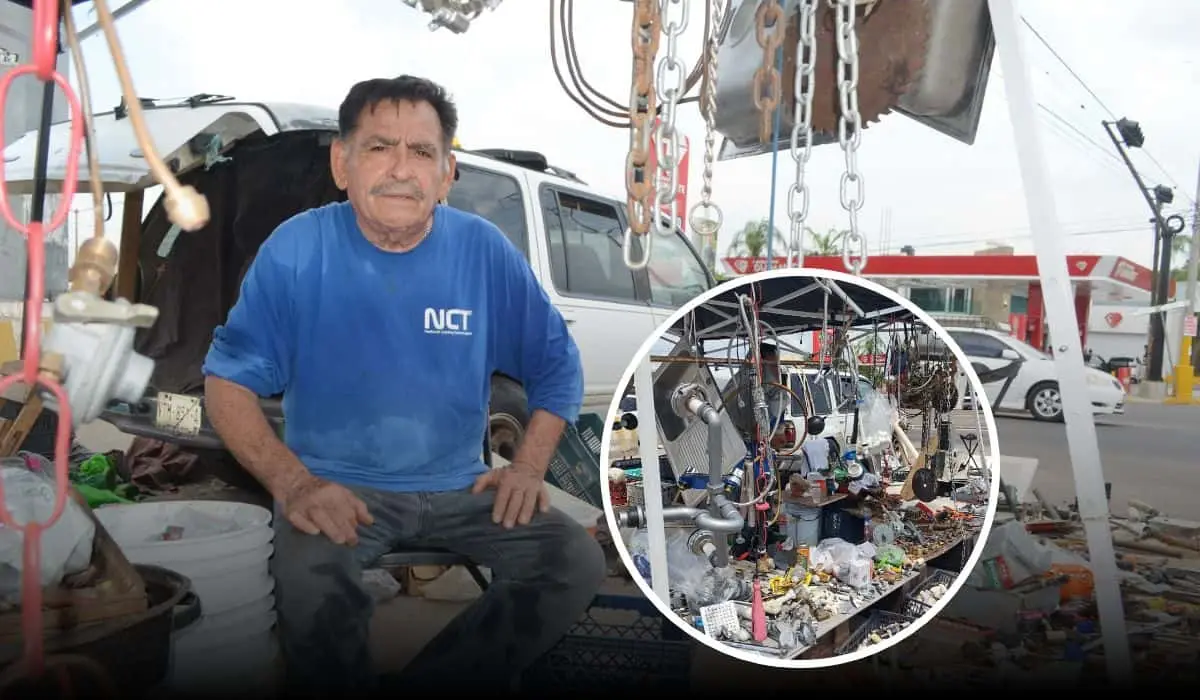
1068 358
716 487
656 531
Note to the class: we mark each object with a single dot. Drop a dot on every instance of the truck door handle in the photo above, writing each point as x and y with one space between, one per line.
569 319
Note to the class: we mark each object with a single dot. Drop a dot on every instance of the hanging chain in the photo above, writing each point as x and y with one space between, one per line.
671 81
768 30
706 217
802 132
853 188
639 187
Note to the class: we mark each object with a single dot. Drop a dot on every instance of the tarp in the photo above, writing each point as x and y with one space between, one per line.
794 304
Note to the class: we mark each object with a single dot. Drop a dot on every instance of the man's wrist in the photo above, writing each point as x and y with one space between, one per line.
527 466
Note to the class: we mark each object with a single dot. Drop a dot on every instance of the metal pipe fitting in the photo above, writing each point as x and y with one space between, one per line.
690 400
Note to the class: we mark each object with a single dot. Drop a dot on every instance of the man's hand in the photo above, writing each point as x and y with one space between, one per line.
520 490
318 507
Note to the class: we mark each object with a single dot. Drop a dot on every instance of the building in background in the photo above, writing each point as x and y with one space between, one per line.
1003 288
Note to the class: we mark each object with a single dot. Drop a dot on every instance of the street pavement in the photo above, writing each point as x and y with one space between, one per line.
1152 454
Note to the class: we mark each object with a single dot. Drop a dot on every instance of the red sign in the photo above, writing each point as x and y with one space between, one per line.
819 348
1113 318
872 359
1017 326
681 180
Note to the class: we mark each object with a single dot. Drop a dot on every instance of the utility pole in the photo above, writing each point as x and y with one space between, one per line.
1126 134
1185 374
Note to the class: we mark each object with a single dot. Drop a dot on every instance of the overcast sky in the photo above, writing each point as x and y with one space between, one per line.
943 197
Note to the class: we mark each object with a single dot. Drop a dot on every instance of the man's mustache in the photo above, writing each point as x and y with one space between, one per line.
398 189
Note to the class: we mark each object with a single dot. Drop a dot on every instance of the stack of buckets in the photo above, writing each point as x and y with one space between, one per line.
224 548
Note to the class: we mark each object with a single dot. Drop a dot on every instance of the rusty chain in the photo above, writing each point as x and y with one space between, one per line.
639 181
768 30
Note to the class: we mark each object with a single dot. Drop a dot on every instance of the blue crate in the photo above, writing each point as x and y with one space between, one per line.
622 643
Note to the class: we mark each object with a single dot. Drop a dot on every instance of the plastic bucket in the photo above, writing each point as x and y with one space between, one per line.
137 529
807 527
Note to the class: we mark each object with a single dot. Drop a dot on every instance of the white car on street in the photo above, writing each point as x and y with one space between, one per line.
1018 377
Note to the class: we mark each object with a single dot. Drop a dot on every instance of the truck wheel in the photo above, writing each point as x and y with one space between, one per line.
1044 402
508 416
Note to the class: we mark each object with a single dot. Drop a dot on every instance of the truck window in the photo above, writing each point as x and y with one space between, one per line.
817 389
676 275
585 238
496 198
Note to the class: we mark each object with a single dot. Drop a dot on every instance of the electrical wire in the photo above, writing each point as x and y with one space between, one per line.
594 102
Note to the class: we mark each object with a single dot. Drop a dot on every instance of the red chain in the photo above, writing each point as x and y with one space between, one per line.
45 56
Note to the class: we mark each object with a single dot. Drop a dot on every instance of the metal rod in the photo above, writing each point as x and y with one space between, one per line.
656 531
1068 356
117 14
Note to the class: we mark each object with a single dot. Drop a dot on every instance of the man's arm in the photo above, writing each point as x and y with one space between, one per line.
250 356
238 418
531 343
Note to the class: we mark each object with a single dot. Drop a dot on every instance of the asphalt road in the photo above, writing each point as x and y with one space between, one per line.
1152 453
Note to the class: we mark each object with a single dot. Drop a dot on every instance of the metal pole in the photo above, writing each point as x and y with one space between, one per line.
1137 177
1068 353
1161 279
656 530
1185 373
1163 288
117 14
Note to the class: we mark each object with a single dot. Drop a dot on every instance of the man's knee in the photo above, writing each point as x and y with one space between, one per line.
317 581
574 555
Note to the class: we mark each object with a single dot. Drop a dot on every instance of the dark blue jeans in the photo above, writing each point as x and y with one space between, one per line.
544 576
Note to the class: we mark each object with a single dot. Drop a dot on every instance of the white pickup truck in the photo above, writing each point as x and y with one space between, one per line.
258 164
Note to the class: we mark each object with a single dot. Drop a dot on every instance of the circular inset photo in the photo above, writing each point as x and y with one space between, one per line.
802 466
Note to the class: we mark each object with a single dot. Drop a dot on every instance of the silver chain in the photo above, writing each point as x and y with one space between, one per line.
706 217
853 187
671 82
802 132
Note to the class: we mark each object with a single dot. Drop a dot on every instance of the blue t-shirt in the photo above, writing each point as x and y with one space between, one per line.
385 359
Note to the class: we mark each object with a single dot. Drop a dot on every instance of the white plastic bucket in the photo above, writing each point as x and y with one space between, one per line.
136 528
228 568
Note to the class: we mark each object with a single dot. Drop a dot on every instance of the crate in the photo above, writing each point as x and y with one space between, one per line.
622 643
876 619
575 466
915 608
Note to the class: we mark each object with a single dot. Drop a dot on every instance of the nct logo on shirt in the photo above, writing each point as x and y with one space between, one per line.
448 321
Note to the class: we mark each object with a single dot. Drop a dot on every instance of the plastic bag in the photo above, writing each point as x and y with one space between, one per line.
833 556
875 419
29 496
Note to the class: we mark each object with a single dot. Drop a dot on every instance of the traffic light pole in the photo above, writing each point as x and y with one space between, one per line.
1158 320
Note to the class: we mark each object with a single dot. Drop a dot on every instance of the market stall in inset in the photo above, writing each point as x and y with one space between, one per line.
804 506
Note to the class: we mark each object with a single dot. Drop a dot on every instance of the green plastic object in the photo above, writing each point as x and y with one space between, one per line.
98 472
99 497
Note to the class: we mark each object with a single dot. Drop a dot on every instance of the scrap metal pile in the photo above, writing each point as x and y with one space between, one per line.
1028 608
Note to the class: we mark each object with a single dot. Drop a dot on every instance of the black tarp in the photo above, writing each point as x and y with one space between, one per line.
785 309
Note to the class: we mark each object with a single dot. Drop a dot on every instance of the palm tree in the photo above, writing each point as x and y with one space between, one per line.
751 241
829 243
1181 248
